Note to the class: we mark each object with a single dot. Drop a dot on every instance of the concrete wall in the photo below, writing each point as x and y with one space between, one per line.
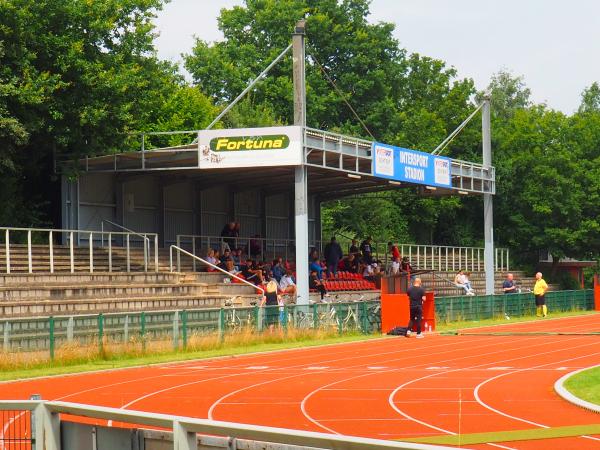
146 203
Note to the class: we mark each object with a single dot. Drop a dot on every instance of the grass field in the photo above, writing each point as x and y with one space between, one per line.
586 385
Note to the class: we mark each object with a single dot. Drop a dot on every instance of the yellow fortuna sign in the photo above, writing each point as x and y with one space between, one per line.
233 143
250 147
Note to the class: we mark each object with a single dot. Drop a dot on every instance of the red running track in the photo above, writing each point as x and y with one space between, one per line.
390 388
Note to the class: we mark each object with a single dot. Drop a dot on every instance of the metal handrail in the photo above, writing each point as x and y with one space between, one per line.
143 236
180 250
70 236
426 256
47 426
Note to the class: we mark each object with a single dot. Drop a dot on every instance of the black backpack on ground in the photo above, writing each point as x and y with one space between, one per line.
398 331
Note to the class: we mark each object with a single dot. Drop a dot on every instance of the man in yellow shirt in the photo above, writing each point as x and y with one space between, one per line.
539 291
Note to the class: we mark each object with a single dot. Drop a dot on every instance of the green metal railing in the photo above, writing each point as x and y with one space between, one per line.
178 328
453 309
48 334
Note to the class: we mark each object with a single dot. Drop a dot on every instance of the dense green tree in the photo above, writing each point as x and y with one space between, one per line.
541 200
590 99
75 77
400 97
508 94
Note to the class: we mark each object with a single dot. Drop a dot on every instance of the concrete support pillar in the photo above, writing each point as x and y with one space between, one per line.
183 439
488 204
301 222
300 174
47 429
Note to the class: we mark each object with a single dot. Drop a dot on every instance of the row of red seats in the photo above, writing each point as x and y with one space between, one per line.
349 285
342 275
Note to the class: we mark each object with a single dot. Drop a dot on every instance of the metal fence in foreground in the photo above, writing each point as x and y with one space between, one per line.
465 308
57 432
179 328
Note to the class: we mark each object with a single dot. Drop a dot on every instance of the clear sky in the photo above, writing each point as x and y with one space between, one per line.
554 44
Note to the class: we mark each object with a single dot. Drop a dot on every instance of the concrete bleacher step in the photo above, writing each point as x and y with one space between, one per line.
98 291
39 294
96 277
120 304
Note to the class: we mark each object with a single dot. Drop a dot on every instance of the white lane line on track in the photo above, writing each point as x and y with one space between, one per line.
485 405
402 413
218 402
185 369
452 350
211 409
316 368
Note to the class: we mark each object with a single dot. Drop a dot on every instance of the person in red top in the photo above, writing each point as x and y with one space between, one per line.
395 253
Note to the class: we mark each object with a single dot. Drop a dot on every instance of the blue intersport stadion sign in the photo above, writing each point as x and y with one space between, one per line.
411 166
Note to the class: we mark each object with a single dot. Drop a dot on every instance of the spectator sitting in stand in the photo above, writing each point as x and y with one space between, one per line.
266 269
461 281
251 272
210 257
277 269
333 254
230 267
316 267
349 264
225 256
315 283
287 284
367 251
369 272
405 266
468 283
228 234
236 255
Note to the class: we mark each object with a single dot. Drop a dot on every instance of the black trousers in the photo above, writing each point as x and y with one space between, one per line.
416 316
321 289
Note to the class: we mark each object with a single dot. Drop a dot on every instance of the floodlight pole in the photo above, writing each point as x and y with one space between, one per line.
300 175
488 206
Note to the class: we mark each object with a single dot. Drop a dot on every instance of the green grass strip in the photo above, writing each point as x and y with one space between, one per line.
122 361
585 385
509 436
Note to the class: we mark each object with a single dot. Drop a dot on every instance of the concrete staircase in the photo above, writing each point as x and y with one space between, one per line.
26 295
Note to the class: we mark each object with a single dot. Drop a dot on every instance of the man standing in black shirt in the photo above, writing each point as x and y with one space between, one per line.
365 248
354 250
416 296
